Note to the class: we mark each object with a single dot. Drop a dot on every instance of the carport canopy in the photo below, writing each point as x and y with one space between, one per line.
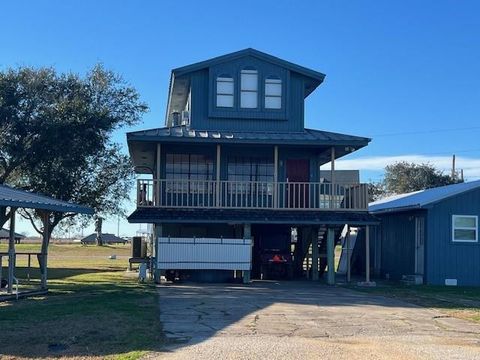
14 199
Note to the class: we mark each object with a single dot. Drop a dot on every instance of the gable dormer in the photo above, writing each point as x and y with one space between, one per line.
246 90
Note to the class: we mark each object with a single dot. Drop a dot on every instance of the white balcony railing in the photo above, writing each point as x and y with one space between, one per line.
251 195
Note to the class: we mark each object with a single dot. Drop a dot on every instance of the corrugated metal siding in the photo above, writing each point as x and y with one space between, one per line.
203 254
397 232
446 259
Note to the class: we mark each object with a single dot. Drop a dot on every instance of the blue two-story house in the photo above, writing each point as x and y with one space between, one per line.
232 181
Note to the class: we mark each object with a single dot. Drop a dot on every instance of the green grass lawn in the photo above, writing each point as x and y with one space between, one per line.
460 302
94 309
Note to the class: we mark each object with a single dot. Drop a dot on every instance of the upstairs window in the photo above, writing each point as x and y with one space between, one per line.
225 91
250 174
249 88
273 93
188 173
464 228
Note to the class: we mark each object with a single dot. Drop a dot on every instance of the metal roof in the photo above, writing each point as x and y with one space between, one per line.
420 199
5 234
306 137
24 199
151 215
250 52
106 238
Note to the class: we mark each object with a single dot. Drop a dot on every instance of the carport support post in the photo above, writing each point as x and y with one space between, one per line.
347 241
247 234
11 250
157 232
44 251
331 256
367 254
315 255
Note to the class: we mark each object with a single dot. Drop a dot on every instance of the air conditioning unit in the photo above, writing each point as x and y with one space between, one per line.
185 120
176 118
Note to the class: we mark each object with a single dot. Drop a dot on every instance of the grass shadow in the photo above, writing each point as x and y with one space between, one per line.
87 313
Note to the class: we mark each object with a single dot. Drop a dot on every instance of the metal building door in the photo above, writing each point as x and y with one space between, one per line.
298 176
419 245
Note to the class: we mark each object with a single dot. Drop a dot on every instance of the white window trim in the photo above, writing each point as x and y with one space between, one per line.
465 228
249 71
225 78
273 80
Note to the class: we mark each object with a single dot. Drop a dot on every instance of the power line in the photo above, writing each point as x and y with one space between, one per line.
449 152
427 131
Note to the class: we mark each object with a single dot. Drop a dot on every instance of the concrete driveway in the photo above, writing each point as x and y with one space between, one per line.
291 320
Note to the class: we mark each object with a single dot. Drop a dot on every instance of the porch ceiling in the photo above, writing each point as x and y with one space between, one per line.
294 217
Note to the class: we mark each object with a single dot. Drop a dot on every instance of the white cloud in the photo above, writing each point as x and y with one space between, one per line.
470 166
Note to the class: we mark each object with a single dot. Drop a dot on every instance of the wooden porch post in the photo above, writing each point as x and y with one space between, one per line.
157 173
11 250
275 177
44 252
315 254
332 176
247 234
217 185
367 281
331 256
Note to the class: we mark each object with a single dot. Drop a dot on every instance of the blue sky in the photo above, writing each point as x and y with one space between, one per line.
392 67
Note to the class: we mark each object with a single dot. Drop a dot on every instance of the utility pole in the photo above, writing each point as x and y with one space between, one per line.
118 226
454 175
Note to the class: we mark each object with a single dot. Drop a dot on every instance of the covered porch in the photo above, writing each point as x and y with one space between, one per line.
14 199
181 167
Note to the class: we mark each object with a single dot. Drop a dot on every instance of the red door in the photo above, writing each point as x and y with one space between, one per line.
298 176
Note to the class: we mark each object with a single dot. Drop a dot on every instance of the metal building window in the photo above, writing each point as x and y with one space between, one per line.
273 93
249 88
465 228
225 91
188 167
243 172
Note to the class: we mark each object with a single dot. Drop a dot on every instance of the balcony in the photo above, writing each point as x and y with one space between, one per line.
252 195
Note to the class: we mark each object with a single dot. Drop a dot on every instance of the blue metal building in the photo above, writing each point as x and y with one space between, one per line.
235 161
430 236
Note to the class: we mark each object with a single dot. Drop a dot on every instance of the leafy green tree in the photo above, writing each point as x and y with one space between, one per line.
403 177
56 138
376 190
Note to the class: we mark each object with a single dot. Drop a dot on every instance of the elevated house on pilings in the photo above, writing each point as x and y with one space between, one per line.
15 199
232 181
